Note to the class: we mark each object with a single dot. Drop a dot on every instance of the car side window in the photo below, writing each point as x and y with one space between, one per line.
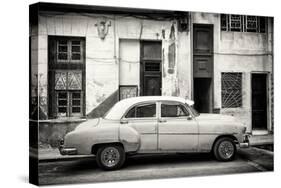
142 111
173 110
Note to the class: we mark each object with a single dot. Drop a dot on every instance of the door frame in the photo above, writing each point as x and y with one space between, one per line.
212 100
142 67
268 101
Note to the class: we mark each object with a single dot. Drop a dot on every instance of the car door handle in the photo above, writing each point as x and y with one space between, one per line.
162 120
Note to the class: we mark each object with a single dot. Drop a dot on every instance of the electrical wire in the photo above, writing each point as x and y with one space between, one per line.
110 60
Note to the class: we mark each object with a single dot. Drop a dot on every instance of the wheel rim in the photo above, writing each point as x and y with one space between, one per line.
226 149
110 156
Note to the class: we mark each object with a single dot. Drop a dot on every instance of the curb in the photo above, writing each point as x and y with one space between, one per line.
68 158
243 152
271 153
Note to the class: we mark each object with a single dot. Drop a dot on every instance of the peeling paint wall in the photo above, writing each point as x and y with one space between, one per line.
184 65
103 55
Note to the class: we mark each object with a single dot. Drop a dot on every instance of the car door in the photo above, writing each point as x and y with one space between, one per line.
177 128
143 118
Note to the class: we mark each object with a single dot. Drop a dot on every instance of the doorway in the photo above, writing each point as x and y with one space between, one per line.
203 67
203 94
259 101
150 68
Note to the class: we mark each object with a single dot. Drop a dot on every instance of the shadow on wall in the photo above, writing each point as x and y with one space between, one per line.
103 107
51 133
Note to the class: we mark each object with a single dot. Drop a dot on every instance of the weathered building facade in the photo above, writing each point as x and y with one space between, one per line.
83 59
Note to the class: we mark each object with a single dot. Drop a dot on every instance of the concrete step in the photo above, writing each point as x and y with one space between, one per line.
256 140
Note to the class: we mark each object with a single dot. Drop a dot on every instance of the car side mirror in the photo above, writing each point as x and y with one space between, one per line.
124 121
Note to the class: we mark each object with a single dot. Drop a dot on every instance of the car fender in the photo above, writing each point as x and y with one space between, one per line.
209 131
130 138
85 139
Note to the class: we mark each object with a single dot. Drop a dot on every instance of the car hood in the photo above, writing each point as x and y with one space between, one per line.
87 124
216 117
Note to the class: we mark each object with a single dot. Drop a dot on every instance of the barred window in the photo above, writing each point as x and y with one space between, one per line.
231 90
235 22
69 50
242 23
66 76
251 23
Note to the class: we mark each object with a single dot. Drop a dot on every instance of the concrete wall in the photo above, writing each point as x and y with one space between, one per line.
38 58
240 52
102 56
51 132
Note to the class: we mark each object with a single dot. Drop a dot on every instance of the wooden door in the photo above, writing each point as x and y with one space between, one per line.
203 51
151 71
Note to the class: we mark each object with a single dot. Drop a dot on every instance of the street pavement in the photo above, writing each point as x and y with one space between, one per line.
85 170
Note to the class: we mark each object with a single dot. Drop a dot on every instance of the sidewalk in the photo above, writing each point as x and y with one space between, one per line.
262 159
52 154
257 140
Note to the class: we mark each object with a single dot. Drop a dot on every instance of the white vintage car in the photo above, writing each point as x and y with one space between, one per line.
154 124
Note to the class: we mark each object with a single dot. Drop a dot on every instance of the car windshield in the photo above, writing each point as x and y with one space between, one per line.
194 112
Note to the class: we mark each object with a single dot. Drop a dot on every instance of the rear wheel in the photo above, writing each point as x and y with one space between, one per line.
224 149
110 157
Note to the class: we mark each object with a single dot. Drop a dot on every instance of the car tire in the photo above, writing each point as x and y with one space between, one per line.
110 157
224 149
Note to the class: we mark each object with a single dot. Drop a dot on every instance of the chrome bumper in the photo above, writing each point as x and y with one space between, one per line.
67 150
246 142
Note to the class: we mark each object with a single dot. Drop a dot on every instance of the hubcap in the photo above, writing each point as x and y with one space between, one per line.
110 156
226 149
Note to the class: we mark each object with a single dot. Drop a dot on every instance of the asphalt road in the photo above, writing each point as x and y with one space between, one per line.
142 167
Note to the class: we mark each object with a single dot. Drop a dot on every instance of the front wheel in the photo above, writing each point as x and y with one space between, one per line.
110 157
224 149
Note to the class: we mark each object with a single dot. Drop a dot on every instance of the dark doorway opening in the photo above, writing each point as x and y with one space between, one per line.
203 94
259 101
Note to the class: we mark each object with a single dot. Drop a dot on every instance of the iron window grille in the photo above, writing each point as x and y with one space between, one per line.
231 90
243 23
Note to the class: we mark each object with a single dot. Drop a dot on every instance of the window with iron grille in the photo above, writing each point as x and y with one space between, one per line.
231 90
66 58
242 23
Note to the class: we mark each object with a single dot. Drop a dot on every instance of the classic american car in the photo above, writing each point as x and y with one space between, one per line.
154 124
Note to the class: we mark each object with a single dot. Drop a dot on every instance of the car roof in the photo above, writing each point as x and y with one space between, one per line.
117 111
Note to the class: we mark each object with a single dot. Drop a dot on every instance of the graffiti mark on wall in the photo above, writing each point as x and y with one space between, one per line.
172 51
